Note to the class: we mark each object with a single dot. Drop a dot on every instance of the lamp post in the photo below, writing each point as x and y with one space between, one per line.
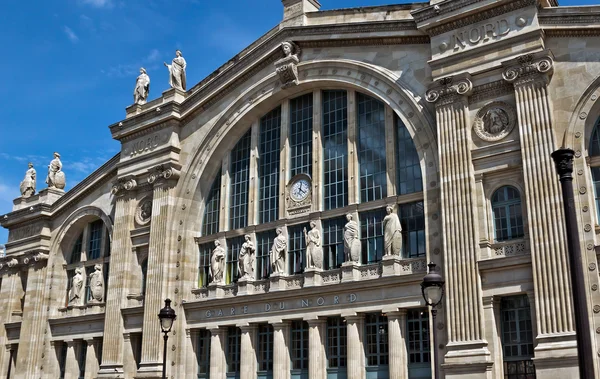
166 316
432 288
563 158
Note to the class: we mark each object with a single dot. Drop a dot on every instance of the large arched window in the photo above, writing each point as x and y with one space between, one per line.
87 267
353 149
594 152
508 215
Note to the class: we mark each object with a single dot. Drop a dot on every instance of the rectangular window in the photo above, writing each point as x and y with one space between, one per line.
95 241
301 128
81 358
76 252
417 342
204 264
517 338
268 166
297 248
210 225
409 178
265 347
371 235
333 242
62 359
239 173
203 353
376 349
234 245
234 339
370 116
412 219
336 342
299 345
264 241
335 149
136 348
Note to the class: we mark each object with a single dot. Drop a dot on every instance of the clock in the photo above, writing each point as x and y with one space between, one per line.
300 189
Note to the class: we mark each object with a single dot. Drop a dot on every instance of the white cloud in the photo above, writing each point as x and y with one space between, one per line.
70 34
98 3
132 69
153 56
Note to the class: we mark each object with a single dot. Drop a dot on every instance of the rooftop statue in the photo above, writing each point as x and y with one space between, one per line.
28 184
142 88
56 177
177 71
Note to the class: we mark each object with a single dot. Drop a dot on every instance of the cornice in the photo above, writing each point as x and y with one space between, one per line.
576 16
405 40
440 9
558 32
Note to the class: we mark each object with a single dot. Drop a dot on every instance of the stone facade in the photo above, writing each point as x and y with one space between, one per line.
482 91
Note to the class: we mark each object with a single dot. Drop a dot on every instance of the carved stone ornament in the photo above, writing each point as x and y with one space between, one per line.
163 172
143 212
299 194
124 184
287 67
495 121
527 68
448 89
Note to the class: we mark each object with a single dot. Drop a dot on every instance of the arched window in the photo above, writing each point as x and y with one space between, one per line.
210 224
87 268
508 216
594 152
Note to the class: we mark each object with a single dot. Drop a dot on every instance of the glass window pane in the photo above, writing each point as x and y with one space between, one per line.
210 224
240 167
418 336
412 219
234 245
95 239
335 149
409 178
301 128
264 241
205 251
333 242
297 248
268 166
508 219
371 235
234 337
203 353
371 148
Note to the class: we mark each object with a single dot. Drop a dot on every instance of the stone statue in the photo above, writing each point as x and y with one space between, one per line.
76 291
142 88
217 264
96 280
246 259
278 252
28 184
352 245
287 67
288 49
495 121
392 233
314 250
56 177
177 71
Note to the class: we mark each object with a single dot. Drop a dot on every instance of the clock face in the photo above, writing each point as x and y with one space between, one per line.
300 189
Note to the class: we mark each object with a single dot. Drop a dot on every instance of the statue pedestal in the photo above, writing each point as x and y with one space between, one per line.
46 196
245 286
312 277
216 291
390 265
277 282
350 272
173 94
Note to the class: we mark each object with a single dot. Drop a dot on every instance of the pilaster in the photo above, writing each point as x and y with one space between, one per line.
91 358
248 362
317 153
281 352
390 151
71 363
463 301
353 167
253 190
398 356
317 360
356 352
284 156
225 182
112 353
218 361
491 314
530 74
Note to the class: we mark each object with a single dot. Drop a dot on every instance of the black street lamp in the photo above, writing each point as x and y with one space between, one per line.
166 316
432 288
563 158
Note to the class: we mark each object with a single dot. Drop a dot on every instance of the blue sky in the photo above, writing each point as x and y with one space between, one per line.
69 69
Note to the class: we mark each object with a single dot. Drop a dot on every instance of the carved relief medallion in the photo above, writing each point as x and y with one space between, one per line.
495 121
143 213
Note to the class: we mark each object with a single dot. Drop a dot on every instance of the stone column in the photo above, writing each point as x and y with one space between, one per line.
91 358
461 240
390 156
71 363
224 201
218 361
317 362
317 153
253 190
152 338
248 362
530 75
353 166
491 313
284 156
398 356
112 346
281 351
356 352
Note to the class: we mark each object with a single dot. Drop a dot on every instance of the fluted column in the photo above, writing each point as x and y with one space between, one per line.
152 338
398 357
248 362
112 342
91 358
281 352
218 361
461 241
356 352
317 363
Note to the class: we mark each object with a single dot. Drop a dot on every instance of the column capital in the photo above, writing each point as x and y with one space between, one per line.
450 89
162 174
70 343
247 328
353 317
90 341
400 313
315 322
218 331
280 324
529 68
490 301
